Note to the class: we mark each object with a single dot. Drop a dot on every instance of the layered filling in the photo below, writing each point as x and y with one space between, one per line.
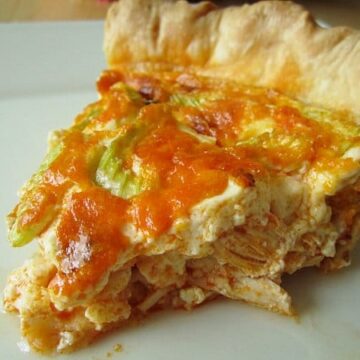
174 189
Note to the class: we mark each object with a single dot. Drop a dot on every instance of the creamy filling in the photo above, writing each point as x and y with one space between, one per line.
260 235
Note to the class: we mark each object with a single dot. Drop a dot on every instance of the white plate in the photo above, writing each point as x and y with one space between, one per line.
47 76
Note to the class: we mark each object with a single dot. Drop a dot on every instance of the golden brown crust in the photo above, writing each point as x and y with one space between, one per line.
271 43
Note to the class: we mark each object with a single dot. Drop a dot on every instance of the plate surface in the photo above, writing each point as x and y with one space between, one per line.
47 74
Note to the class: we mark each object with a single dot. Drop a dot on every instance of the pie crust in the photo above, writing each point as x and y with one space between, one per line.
274 44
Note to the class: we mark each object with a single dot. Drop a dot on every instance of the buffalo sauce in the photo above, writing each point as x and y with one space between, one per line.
89 232
188 170
89 239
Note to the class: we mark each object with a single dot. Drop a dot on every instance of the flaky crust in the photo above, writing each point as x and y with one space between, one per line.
274 44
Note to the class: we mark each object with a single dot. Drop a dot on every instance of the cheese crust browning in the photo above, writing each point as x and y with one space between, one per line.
198 173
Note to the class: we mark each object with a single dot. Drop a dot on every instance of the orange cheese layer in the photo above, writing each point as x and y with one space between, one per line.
89 233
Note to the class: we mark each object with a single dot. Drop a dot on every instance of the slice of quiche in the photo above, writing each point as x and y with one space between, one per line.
181 183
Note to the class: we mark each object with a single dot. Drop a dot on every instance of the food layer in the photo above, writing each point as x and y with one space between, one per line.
173 189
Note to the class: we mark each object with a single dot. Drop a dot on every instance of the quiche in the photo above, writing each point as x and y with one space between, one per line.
223 153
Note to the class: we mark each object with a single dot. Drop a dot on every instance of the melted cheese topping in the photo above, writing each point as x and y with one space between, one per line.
233 134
